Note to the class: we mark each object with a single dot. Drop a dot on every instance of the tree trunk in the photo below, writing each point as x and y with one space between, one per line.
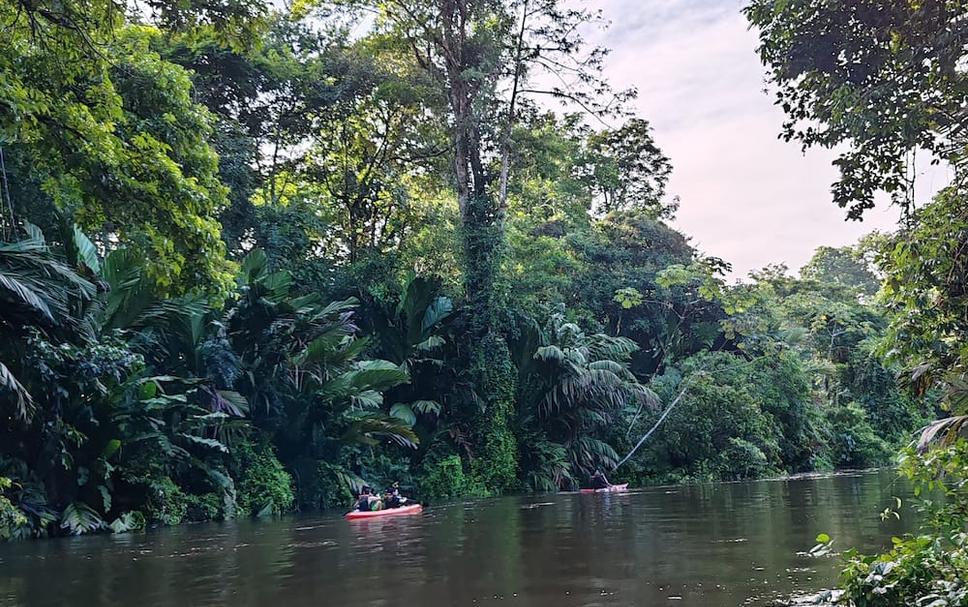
482 234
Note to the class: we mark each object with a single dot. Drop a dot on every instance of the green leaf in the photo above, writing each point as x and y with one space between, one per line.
79 518
111 448
86 251
34 232
128 521
404 412
205 442
105 497
436 312
427 407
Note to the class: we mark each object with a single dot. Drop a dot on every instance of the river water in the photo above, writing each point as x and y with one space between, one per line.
706 545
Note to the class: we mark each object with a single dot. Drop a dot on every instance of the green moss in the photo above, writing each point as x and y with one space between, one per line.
496 466
265 488
445 479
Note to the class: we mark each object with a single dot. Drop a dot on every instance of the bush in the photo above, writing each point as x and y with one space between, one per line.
265 488
853 442
920 571
741 459
722 429
167 503
11 518
204 507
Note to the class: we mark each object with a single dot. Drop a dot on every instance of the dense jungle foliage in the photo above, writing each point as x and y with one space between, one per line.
888 79
253 259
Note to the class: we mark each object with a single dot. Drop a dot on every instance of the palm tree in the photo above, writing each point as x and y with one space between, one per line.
304 374
37 291
572 387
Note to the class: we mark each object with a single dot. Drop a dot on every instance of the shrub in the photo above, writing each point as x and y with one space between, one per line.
11 518
204 507
853 442
167 503
321 485
929 569
741 459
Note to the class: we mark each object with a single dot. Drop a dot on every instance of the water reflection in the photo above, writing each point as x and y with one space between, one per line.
729 544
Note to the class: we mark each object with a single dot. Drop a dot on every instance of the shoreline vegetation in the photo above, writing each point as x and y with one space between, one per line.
253 259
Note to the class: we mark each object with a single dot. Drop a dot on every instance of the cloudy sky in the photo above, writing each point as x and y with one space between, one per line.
746 196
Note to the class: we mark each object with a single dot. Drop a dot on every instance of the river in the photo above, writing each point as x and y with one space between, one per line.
726 544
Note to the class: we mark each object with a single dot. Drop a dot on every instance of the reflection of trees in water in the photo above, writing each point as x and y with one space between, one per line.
709 544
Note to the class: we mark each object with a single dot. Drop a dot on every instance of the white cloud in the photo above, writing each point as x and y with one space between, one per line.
746 196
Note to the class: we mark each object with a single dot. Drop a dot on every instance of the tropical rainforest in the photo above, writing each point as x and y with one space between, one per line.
254 258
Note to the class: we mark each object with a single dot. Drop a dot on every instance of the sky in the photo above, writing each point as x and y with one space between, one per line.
746 196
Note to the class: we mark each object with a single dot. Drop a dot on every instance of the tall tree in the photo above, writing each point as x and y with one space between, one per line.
486 57
885 77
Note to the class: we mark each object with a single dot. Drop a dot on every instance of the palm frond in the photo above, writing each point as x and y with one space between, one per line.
78 518
367 428
25 290
942 432
86 251
22 399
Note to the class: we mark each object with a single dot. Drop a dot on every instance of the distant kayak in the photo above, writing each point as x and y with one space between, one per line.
610 489
401 511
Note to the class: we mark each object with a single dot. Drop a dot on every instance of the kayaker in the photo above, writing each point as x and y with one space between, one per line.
599 481
392 498
367 501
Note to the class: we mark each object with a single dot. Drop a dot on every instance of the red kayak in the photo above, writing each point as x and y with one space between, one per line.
401 511
610 489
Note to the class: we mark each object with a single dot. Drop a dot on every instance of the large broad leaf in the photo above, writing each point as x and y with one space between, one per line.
128 521
332 346
367 399
436 312
27 291
34 233
418 296
276 285
105 497
348 479
335 307
86 251
403 412
229 401
431 343
253 266
376 375
427 407
549 353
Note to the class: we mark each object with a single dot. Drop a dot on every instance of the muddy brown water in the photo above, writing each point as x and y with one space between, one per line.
726 544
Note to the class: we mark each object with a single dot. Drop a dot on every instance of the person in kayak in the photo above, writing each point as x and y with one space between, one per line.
367 501
599 481
392 498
